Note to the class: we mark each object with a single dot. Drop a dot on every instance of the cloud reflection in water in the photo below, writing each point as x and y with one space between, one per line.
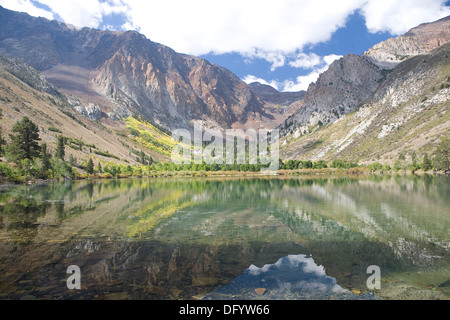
290 278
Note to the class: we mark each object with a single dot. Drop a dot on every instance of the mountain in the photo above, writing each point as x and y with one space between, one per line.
110 89
26 92
278 104
353 80
338 91
407 113
272 96
124 74
420 40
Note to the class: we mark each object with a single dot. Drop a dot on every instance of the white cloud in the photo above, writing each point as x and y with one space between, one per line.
84 13
272 30
109 27
305 61
261 28
204 26
397 16
301 83
80 13
277 59
251 78
331 58
276 31
26 6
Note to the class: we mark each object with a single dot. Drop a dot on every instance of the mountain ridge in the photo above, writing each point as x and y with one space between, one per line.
354 81
24 92
166 87
107 77
418 40
407 114
347 83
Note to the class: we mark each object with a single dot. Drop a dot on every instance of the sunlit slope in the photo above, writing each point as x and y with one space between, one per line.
25 92
408 113
149 136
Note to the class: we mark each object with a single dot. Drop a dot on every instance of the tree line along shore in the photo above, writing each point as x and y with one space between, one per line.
26 160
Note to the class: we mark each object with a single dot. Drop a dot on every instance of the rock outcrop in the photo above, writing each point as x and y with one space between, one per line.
91 111
280 105
344 86
29 75
419 40
275 97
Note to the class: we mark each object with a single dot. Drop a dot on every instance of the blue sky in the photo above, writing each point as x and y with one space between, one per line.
284 43
353 38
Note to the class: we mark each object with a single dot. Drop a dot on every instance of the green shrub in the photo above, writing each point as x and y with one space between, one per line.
375 166
106 175
426 163
53 129
106 154
398 165
61 169
442 156
11 174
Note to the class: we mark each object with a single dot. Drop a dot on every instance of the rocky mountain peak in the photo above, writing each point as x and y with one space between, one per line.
419 40
343 87
275 97
351 81
128 74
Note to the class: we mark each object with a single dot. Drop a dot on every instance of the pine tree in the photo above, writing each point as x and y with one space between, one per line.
414 159
45 158
24 144
426 163
72 161
60 148
2 141
90 166
442 156
142 160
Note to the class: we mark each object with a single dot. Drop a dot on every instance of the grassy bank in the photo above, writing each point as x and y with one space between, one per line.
360 171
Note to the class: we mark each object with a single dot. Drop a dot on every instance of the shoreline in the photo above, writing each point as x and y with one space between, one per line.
358 171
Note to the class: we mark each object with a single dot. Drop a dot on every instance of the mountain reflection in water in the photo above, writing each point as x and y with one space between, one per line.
290 278
195 238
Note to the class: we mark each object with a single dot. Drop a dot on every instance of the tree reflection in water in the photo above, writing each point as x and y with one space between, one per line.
195 238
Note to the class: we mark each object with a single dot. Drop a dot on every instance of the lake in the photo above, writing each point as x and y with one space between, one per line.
280 238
